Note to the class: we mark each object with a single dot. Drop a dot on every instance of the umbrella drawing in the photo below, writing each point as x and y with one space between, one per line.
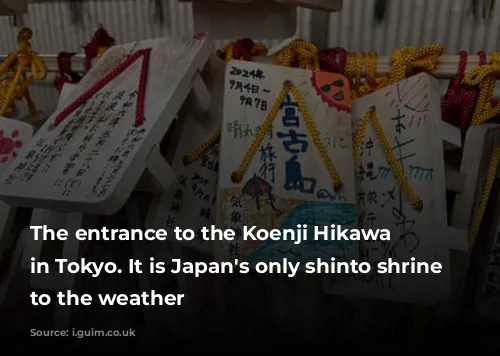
258 186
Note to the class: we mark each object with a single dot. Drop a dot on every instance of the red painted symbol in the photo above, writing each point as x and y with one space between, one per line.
333 89
8 146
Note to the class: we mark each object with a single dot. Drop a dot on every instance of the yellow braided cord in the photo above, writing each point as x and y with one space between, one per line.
371 66
258 49
490 178
101 51
371 116
4 88
25 59
237 175
8 67
300 54
200 151
373 81
228 51
485 77
404 60
354 69
352 65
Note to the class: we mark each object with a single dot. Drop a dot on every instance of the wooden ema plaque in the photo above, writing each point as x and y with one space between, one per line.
400 186
286 161
89 156
103 137
14 137
289 165
480 167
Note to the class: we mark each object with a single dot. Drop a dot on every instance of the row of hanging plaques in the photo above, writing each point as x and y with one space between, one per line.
105 135
293 174
305 185
212 164
293 150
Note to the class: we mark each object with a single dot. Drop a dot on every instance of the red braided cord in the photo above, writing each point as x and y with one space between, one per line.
60 81
141 95
242 49
91 50
139 111
457 106
482 57
101 38
328 60
64 61
64 68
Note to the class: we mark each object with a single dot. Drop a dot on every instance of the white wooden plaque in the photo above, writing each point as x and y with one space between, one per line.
92 160
485 138
14 137
286 183
53 219
409 113
190 203
65 94
475 161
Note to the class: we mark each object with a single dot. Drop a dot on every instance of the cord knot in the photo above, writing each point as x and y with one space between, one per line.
406 60
299 53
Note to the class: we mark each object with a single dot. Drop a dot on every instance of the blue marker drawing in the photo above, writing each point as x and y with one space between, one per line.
383 172
290 118
325 194
294 180
294 139
420 173
312 214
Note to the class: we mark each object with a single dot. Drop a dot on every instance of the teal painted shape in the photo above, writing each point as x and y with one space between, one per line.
312 214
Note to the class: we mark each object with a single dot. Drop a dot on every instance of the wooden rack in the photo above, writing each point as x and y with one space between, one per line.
447 68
